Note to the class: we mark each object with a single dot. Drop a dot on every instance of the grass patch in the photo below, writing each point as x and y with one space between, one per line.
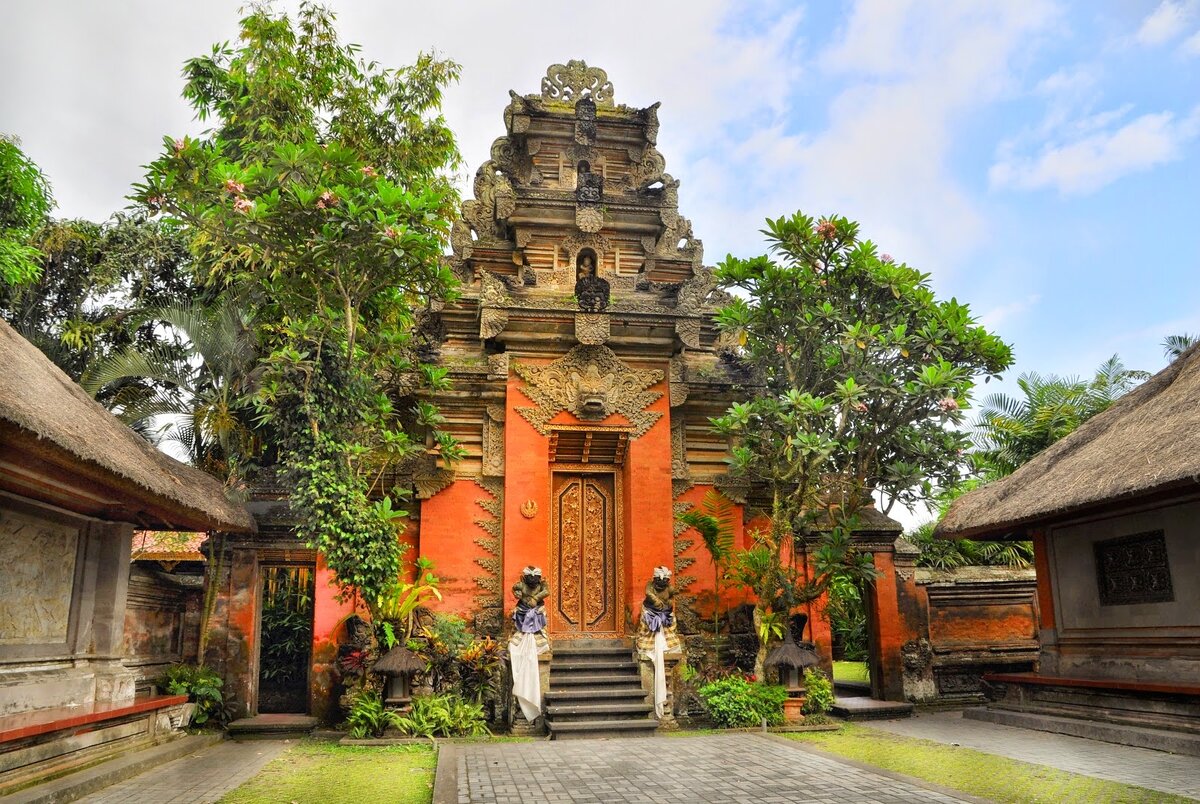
986 775
335 774
851 671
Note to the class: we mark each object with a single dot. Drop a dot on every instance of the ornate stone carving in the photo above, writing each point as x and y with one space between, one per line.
497 366
592 383
574 80
589 218
591 329
429 478
493 291
688 331
679 465
492 525
678 382
735 488
493 441
578 241
492 321
1134 569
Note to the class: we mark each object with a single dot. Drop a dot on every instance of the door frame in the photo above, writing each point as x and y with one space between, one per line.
615 472
259 578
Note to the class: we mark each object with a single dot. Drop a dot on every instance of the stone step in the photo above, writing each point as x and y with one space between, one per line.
590 645
593 680
272 727
588 651
567 713
593 666
596 694
585 729
863 708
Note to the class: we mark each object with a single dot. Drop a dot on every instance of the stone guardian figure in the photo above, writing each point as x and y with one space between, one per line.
656 634
528 641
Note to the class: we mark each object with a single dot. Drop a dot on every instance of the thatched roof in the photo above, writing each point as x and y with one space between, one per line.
1146 445
399 661
51 429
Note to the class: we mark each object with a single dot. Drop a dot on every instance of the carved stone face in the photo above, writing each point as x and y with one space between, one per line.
530 580
592 392
661 583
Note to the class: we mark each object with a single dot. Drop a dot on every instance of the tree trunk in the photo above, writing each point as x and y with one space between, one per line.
761 655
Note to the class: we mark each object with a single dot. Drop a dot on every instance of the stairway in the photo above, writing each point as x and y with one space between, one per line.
596 691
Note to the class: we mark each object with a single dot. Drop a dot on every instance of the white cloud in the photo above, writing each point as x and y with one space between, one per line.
1191 45
1165 23
1068 81
1089 162
993 318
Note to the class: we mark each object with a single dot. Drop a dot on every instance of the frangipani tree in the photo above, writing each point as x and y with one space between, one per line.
860 370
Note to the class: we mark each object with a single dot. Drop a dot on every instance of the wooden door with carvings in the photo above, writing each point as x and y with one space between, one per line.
585 544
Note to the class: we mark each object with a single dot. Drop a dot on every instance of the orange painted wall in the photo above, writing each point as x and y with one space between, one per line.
702 567
649 513
447 537
526 478
328 615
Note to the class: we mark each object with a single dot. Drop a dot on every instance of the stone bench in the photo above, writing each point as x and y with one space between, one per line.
45 742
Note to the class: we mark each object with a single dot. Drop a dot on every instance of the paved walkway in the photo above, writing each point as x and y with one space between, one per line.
710 768
1156 770
198 778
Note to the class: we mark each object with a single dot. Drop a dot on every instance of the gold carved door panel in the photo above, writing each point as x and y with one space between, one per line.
584 555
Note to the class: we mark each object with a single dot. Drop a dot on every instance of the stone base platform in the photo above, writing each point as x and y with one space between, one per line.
1139 736
863 708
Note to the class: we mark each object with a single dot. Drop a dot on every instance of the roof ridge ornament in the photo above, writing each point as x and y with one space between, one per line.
574 80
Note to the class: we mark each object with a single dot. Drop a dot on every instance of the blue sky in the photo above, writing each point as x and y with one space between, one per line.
1041 159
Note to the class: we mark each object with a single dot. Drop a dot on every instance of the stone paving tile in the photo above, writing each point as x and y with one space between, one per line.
197 778
1156 770
701 770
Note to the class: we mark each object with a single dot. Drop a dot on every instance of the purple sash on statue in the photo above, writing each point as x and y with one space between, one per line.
655 620
529 619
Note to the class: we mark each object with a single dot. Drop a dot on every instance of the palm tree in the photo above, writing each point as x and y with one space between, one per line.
1175 345
199 395
1010 431
713 520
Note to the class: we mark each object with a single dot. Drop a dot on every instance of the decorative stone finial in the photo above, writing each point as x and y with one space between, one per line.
574 80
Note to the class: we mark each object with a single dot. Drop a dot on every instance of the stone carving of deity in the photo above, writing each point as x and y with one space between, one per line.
591 290
530 591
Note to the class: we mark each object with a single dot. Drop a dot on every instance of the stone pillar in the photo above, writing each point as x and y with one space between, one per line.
671 660
108 557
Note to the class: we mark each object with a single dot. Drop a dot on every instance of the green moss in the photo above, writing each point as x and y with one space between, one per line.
986 775
334 774
851 671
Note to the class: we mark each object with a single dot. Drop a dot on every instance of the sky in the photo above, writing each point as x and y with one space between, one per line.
1039 159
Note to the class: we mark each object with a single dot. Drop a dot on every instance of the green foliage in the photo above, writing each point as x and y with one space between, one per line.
286 626
1012 430
818 692
848 618
203 688
399 602
368 717
322 195
24 204
445 639
479 669
734 703
445 716
1175 345
858 374
713 520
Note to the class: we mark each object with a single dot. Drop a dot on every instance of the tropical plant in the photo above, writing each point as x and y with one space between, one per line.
196 388
1011 430
368 717
713 520
479 669
397 605
856 370
322 195
847 618
443 641
25 201
1175 345
445 715
818 692
202 685
734 702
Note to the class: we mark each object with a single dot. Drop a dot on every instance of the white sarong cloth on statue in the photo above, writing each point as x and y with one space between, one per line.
527 687
660 673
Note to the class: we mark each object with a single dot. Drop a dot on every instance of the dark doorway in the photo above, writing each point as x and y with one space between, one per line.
285 654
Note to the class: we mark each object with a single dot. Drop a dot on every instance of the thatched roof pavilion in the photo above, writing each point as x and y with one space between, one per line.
1146 446
59 446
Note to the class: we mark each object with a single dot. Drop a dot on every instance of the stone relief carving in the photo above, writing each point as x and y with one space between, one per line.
688 331
429 478
497 366
592 383
492 321
677 374
39 561
679 464
589 219
493 441
492 525
592 329
574 80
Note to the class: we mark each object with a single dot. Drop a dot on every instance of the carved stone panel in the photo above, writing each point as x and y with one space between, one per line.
592 383
574 80
493 441
1134 569
39 575
592 329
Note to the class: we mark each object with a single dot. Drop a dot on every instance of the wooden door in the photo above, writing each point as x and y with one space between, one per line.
584 553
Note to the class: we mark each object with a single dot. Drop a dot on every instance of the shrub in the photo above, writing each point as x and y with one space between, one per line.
445 715
818 691
367 717
734 702
479 669
202 686
445 639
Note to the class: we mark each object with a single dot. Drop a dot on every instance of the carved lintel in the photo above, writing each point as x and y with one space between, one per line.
592 329
592 383
678 382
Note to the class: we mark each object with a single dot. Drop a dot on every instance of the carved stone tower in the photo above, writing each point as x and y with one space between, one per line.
585 364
